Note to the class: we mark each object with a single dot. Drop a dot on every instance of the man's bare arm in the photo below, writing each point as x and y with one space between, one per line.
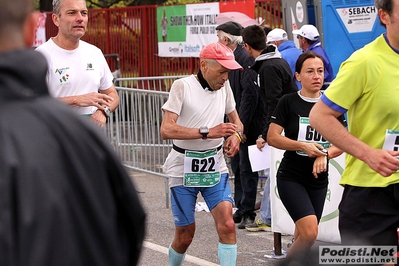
171 130
108 97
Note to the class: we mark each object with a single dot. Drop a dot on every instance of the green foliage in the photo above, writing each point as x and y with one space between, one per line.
124 3
184 2
36 4
120 3
101 3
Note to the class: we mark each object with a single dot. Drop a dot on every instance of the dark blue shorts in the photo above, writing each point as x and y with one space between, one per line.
184 199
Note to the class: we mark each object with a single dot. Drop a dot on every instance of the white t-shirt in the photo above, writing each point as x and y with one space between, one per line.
196 107
76 72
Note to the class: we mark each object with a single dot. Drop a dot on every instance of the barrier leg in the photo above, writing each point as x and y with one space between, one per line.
277 244
167 193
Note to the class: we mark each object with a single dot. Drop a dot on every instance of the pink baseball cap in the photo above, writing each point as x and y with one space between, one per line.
222 54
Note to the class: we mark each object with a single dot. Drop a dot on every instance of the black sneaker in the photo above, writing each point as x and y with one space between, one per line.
245 221
237 217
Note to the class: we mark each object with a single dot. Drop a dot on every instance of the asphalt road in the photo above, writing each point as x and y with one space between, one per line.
252 246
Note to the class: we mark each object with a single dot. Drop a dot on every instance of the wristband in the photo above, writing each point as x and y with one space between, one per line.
238 136
241 136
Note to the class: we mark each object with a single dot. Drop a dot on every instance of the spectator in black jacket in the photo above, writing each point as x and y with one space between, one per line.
274 73
275 80
65 197
252 113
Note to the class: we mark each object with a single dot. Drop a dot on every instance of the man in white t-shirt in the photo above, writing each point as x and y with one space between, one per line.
194 119
78 73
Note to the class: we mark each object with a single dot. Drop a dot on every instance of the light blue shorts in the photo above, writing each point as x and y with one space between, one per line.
184 198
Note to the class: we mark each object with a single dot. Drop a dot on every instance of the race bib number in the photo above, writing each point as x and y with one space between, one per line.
391 142
201 169
308 134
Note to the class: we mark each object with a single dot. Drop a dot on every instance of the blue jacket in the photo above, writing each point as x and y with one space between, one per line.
328 71
290 53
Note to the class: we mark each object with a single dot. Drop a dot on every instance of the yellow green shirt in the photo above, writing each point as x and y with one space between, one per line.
367 85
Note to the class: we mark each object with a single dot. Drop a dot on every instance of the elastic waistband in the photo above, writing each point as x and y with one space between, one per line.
181 150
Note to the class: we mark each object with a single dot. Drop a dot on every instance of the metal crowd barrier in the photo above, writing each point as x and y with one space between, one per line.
134 130
159 83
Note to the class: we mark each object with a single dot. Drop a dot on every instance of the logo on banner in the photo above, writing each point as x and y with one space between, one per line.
358 19
176 50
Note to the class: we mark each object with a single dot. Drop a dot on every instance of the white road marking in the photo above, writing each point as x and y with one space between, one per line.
188 258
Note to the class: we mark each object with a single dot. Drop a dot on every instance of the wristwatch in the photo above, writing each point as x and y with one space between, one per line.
325 151
107 111
204 130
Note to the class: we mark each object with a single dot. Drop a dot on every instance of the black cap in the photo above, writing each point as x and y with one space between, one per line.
231 27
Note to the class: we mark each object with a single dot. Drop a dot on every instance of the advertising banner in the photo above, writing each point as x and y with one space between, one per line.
183 30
